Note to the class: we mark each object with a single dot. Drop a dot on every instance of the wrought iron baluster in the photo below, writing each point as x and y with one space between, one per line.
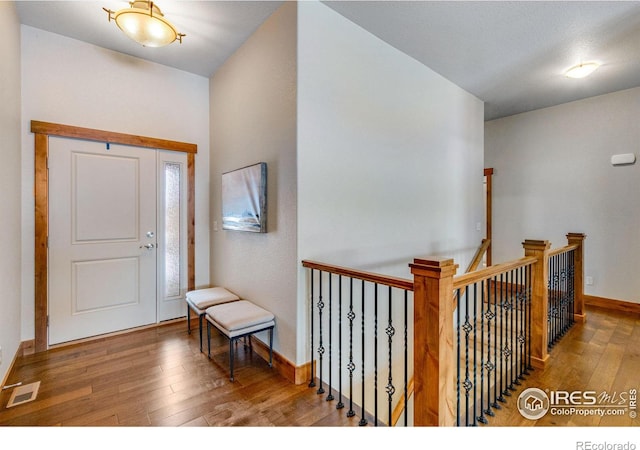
519 337
320 344
514 329
561 295
330 394
558 287
524 325
481 418
375 354
494 365
506 351
458 356
552 301
512 347
556 306
502 332
340 404
475 354
363 421
351 367
565 324
528 318
467 335
569 290
406 358
572 285
312 381
505 329
390 389
526 276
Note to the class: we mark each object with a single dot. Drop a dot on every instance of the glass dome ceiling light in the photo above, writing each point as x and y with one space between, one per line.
144 23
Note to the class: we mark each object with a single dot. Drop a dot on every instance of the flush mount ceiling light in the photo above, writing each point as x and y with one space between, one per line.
582 70
144 23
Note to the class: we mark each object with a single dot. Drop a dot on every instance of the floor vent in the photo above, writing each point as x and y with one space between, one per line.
24 394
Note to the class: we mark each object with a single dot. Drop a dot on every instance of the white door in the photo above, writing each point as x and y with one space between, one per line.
102 238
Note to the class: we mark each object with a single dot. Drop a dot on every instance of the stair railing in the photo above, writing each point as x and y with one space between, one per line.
470 352
360 339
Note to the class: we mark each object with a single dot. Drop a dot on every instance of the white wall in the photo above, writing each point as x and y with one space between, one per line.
553 176
10 227
253 119
390 155
70 82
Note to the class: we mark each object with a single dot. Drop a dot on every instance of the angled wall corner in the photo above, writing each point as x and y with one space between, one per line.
253 119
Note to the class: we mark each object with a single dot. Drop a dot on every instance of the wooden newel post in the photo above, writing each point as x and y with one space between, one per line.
539 300
433 360
579 314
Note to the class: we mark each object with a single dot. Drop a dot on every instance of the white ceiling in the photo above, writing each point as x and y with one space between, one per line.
214 29
510 54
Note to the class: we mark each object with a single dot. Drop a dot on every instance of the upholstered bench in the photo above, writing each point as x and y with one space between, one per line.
236 320
201 299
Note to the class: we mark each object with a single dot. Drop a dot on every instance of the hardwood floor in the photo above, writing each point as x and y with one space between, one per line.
601 355
158 377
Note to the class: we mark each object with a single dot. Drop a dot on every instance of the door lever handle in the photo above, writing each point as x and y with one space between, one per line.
148 246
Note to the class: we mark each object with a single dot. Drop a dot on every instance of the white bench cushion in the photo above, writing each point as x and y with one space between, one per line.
240 317
205 298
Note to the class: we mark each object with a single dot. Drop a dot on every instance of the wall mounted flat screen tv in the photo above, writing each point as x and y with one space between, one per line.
244 199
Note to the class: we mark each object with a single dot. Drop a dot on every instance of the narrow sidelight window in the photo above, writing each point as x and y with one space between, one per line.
172 229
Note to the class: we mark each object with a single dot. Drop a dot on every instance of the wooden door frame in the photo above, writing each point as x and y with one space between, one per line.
42 131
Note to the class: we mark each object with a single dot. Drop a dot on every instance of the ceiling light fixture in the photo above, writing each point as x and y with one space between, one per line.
582 70
144 23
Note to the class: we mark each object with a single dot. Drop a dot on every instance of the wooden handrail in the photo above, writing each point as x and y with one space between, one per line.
566 248
385 280
458 283
472 277
477 259
474 264
433 283
466 279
